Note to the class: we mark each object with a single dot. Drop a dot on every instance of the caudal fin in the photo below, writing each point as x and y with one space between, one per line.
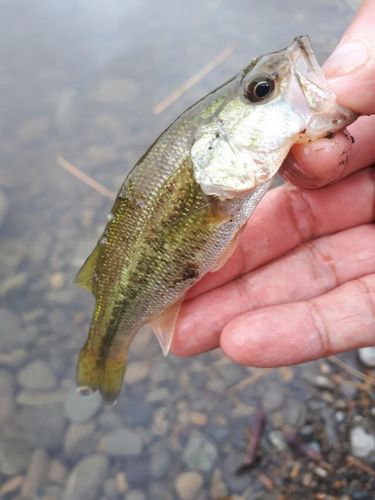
105 375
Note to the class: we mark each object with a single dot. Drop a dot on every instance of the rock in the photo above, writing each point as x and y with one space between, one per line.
36 473
362 443
79 439
160 394
138 413
136 372
57 471
6 396
37 375
198 418
80 408
15 455
348 390
135 495
12 333
218 488
116 91
160 422
273 397
188 484
86 478
367 356
138 471
160 463
33 130
45 424
278 440
57 280
199 453
122 442
323 382
11 486
41 398
14 282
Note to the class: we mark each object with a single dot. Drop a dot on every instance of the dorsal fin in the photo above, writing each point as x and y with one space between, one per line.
85 275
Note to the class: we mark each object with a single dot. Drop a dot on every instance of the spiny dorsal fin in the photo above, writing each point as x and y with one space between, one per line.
85 275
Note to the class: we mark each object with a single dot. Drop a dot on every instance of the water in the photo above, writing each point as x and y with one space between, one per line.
83 79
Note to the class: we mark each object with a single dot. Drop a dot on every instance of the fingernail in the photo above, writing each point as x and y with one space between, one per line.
293 172
350 55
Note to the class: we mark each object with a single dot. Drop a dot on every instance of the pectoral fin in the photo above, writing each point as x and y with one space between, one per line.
164 326
84 278
228 252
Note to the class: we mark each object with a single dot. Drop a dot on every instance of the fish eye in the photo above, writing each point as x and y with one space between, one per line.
260 88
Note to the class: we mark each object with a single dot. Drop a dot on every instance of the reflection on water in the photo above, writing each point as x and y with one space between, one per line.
82 79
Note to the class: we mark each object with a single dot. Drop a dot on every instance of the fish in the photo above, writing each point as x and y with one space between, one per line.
181 209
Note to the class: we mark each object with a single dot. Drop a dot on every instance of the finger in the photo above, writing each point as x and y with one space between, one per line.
328 160
309 271
338 321
351 74
288 216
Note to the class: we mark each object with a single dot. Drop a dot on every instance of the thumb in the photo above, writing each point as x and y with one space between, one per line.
350 72
350 69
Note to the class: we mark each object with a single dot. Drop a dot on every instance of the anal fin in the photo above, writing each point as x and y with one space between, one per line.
164 326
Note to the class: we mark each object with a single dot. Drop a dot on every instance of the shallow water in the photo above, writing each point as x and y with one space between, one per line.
82 79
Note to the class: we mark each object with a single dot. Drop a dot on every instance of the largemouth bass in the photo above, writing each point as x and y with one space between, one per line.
180 210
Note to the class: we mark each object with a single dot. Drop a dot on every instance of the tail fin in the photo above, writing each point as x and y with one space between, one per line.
95 373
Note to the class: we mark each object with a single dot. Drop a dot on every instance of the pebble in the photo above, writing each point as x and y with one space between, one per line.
367 356
41 398
137 371
135 495
323 382
160 394
6 396
122 442
79 439
319 471
198 418
160 422
116 91
199 453
44 424
278 440
188 484
37 375
87 477
362 443
57 280
12 333
57 471
33 130
11 486
218 488
15 455
80 408
273 397
160 463
36 473
14 282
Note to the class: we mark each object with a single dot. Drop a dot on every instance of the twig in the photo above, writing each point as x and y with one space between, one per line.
353 371
250 380
86 179
207 68
255 434
356 462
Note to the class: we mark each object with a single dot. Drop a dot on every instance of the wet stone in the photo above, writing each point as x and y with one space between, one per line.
3 206
362 443
323 382
122 443
136 372
367 356
160 463
138 471
188 485
278 440
273 397
36 473
116 91
57 471
199 453
6 396
37 375
15 455
86 479
79 408
79 439
135 495
137 412
12 333
45 424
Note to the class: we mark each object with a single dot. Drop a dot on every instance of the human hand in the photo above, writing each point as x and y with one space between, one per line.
301 284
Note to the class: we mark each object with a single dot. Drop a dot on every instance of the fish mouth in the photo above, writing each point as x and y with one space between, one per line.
311 95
